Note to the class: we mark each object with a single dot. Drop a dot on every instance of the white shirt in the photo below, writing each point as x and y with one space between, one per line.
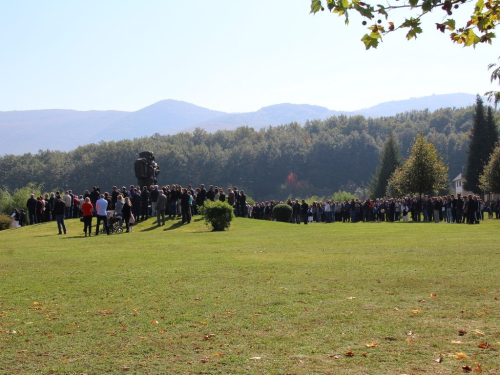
101 206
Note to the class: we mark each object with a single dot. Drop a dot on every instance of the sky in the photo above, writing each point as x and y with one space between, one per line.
231 56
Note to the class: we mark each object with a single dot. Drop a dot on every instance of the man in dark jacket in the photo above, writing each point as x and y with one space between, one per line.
31 204
186 212
59 210
145 203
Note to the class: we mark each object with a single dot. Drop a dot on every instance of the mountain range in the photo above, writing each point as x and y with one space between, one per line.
64 130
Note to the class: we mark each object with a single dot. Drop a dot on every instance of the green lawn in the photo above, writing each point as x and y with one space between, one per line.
261 298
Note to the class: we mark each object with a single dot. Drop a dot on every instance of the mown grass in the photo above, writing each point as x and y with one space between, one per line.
261 298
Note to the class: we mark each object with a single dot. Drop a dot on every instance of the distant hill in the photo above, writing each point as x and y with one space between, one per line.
56 129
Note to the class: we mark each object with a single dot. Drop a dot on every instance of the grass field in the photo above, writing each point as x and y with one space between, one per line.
261 298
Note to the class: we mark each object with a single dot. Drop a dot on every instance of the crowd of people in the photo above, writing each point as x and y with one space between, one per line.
132 205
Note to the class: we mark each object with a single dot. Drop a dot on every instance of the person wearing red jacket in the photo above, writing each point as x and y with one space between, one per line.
87 210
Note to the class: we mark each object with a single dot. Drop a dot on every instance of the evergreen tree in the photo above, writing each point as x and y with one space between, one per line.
390 159
423 172
483 136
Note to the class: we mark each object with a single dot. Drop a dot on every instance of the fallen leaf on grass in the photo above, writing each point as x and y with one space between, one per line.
461 332
484 345
477 368
466 368
154 321
433 295
364 354
204 360
372 345
421 300
461 356
439 360
255 358
125 368
415 311
456 342
349 353
479 332
351 297
334 356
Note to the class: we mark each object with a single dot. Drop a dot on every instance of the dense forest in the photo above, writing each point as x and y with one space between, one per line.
318 158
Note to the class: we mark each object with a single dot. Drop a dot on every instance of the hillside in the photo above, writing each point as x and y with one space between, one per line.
64 130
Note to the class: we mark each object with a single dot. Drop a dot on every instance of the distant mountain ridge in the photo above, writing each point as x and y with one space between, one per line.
64 130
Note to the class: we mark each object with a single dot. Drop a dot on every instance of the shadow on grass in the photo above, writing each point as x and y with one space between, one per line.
174 226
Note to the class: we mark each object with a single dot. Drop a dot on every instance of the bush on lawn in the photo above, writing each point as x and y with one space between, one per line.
5 222
282 212
218 214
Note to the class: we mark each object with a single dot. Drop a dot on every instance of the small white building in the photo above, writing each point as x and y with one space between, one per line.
458 182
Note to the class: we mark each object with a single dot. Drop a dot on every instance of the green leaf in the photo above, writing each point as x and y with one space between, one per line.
370 41
413 3
451 24
479 6
471 39
427 5
381 10
365 12
345 3
315 6
414 31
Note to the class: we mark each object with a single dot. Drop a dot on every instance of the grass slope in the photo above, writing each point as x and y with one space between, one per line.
261 298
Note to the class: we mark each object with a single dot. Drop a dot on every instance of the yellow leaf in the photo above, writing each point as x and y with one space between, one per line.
415 311
372 345
456 342
461 356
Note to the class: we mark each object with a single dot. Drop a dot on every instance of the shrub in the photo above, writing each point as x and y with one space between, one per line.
282 212
217 215
5 222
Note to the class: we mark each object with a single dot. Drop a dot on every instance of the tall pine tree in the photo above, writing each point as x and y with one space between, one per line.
390 159
483 136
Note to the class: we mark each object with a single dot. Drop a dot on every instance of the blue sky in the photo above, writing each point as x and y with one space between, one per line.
233 56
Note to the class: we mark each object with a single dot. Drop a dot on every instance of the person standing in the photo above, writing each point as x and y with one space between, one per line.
101 206
185 210
154 198
67 201
127 213
242 201
161 207
59 212
87 210
304 207
31 204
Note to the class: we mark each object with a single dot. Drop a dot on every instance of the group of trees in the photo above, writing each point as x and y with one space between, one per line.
425 172
321 157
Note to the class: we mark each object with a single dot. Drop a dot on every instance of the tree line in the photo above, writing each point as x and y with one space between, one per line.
319 158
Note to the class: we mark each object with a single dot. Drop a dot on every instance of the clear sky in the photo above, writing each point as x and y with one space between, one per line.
232 56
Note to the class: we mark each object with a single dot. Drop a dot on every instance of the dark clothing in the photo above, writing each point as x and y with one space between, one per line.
126 213
186 211
31 204
211 195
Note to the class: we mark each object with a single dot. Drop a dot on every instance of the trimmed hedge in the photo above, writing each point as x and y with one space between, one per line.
282 212
217 215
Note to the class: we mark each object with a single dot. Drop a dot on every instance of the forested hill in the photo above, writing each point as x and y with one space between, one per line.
64 130
316 159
